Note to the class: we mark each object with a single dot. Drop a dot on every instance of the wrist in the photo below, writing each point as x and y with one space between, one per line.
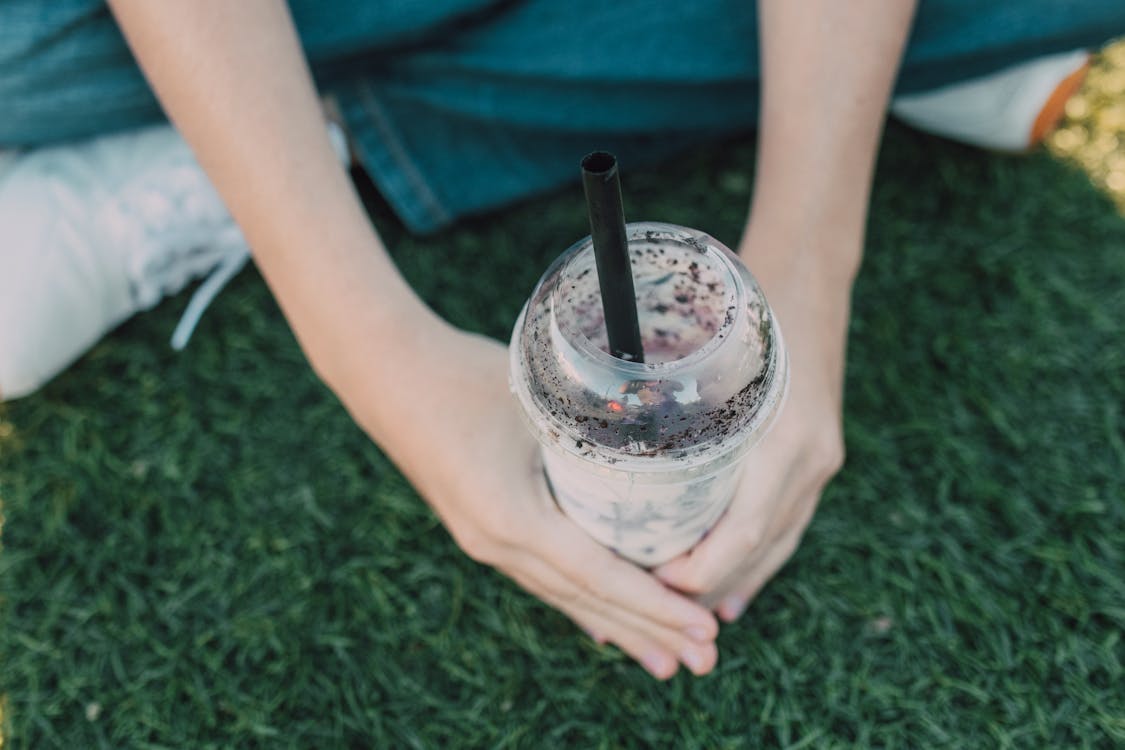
381 360
802 262
807 278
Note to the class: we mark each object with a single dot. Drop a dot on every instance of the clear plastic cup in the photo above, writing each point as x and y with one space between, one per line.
645 457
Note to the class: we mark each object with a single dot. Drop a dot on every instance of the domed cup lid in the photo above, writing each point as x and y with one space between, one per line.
715 371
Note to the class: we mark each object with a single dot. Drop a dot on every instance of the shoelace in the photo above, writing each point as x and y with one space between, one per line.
179 230
174 229
234 262
227 269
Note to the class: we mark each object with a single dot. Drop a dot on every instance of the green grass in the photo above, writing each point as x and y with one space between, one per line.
201 550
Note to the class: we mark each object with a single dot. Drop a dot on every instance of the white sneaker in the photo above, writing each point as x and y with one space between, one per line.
1011 110
91 233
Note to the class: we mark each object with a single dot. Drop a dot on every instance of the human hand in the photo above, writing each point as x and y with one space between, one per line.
786 473
804 243
459 438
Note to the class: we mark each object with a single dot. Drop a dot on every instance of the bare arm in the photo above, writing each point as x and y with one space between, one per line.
827 70
233 78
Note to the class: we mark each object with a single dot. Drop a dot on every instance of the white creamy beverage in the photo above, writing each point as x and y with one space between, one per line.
648 522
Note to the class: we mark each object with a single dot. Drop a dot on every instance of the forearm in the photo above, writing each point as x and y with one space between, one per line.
827 72
233 78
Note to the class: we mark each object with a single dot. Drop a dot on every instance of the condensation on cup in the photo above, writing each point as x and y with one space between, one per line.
645 457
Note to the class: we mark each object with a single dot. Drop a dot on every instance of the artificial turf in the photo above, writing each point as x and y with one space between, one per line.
201 550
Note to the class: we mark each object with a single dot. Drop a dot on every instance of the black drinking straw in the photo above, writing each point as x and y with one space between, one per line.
602 183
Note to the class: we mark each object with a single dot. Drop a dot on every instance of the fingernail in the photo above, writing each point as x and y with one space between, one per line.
693 660
657 664
733 607
698 633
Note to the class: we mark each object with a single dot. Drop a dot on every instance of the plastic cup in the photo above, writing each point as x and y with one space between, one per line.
645 457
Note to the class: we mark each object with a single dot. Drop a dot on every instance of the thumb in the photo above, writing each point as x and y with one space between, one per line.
700 571
738 536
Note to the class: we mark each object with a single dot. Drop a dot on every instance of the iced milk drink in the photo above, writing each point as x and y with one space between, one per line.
645 457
